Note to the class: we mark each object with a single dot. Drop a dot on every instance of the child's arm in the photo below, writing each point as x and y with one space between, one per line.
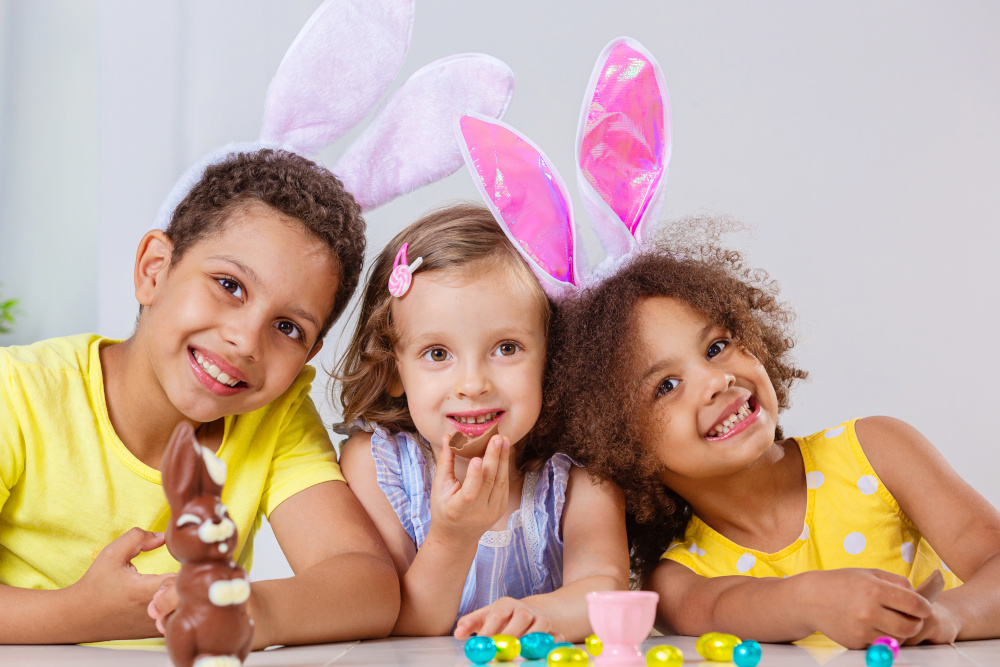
432 579
595 558
108 602
958 522
853 607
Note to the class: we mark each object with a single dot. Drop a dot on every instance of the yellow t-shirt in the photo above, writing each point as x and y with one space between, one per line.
68 485
851 521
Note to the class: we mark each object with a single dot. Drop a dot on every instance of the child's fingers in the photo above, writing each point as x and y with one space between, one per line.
473 480
446 461
491 462
501 486
518 623
905 601
136 540
497 618
470 624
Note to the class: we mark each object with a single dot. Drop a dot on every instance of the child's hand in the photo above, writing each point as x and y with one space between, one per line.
464 511
854 607
115 590
941 627
163 604
506 616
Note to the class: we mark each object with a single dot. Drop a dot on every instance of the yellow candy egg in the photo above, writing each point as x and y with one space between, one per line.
664 656
717 646
594 645
564 655
508 647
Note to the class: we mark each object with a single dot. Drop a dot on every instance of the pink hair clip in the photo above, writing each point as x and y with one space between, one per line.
402 273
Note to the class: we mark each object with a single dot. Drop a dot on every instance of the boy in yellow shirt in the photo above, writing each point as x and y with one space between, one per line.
236 295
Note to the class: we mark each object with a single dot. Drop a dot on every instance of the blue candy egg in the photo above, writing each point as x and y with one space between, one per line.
480 650
878 655
536 645
563 645
746 653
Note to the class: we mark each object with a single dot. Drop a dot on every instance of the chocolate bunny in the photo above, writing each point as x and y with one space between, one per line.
211 625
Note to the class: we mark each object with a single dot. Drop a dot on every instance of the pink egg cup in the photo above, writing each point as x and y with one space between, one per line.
622 620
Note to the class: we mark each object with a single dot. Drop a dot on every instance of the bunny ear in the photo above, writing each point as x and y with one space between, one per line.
335 71
181 474
526 196
411 141
623 144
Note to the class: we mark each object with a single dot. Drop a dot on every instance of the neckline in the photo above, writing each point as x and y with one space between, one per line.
807 467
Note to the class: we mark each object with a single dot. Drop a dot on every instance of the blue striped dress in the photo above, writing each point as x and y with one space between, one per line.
526 559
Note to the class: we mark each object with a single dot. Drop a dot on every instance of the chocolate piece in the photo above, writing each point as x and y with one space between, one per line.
211 619
932 586
462 445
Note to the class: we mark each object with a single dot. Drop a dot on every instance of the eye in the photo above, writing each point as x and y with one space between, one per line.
666 387
290 330
506 349
437 354
231 286
716 348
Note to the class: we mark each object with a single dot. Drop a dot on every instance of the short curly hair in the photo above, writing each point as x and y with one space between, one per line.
289 184
461 237
592 384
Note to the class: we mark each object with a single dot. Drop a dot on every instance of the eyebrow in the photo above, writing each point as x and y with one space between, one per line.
255 279
658 367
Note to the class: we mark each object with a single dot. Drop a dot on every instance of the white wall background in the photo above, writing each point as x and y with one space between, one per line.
860 140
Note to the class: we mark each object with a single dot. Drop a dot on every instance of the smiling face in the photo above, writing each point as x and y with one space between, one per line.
229 326
470 354
711 407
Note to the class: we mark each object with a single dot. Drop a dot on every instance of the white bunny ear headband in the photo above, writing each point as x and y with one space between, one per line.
623 148
336 70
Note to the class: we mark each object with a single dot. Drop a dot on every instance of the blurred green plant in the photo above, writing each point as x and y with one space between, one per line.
7 314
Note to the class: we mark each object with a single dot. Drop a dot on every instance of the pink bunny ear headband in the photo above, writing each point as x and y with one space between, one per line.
336 70
623 148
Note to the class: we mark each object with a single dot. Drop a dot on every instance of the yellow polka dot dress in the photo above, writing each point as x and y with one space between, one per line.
851 521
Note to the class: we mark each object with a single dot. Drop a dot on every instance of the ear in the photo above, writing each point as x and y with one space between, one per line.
396 384
152 260
180 469
316 348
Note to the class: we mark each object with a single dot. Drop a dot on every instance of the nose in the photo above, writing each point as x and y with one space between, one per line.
717 381
473 381
245 332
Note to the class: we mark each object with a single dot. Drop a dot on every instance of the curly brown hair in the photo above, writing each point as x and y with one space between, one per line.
289 184
592 386
463 238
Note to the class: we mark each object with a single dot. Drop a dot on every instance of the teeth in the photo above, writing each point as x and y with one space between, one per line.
481 419
215 371
732 420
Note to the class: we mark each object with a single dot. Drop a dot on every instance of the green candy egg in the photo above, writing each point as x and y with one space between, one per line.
664 655
717 646
508 647
565 655
594 645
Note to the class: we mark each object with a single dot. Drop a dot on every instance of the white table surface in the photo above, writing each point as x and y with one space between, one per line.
447 652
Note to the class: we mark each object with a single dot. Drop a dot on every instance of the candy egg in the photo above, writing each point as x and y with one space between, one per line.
664 655
480 650
536 645
879 655
891 643
594 645
567 655
561 645
746 653
717 646
508 647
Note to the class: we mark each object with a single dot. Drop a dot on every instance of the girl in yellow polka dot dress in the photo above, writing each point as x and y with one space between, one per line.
739 528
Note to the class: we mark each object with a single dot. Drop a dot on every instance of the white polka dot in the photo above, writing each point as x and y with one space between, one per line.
948 569
814 479
745 563
805 532
855 543
834 432
696 550
907 551
868 484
